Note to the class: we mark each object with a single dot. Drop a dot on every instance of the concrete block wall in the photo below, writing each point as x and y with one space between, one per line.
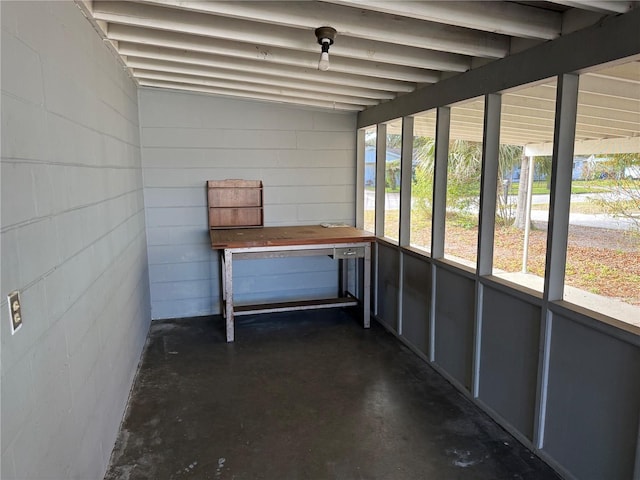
305 159
73 243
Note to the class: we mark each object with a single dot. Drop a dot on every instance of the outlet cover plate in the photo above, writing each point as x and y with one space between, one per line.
15 312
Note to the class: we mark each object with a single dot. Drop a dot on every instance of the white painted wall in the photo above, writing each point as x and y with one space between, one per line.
72 240
305 158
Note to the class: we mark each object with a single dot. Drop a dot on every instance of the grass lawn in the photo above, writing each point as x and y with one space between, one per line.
602 261
577 186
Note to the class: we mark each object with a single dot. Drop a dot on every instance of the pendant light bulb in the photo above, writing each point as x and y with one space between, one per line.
325 36
323 64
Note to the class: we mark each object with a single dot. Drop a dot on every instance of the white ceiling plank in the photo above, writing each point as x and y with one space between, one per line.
601 6
257 77
512 124
594 95
282 56
357 23
519 137
632 119
610 87
588 147
252 96
613 105
607 126
599 126
500 17
527 121
626 71
635 81
575 19
384 49
530 108
103 26
252 66
588 104
602 131
253 32
249 87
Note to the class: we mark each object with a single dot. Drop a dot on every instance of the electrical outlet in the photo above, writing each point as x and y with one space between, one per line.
15 312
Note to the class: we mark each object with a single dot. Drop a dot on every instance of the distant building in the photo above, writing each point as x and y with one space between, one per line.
632 172
370 165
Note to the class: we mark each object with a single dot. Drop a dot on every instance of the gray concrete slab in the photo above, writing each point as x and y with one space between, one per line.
303 395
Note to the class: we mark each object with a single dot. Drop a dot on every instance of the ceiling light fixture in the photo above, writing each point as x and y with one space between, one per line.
325 36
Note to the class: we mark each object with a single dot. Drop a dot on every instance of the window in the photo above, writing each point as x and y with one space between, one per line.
392 180
423 161
522 206
370 179
602 269
463 181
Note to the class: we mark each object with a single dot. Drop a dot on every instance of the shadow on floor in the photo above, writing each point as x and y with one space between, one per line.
303 395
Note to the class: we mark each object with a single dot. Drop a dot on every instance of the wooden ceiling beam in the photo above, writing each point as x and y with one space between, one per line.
251 95
251 67
507 18
357 23
248 87
280 81
284 56
303 40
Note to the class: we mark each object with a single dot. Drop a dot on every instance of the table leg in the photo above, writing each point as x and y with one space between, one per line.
228 294
343 277
223 285
367 286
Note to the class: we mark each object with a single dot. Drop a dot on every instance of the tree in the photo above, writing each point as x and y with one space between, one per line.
523 192
394 140
370 136
542 167
508 158
622 200
463 176
422 185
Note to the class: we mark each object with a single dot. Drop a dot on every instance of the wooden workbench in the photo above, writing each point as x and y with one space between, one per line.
340 243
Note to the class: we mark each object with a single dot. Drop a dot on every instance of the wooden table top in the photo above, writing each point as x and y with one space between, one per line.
286 236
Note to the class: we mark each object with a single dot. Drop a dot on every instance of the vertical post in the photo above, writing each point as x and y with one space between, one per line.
366 302
560 200
443 121
489 183
360 153
406 164
381 160
487 220
404 238
440 182
636 468
432 315
527 214
228 285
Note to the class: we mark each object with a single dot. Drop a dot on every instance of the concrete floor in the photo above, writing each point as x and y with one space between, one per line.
305 395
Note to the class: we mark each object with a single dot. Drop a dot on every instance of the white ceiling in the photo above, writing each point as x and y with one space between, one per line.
267 50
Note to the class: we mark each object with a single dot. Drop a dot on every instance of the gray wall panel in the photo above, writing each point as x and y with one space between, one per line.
72 240
305 158
509 358
455 300
593 402
388 285
416 301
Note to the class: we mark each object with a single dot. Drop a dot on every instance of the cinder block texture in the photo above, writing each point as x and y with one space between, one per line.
305 159
73 243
